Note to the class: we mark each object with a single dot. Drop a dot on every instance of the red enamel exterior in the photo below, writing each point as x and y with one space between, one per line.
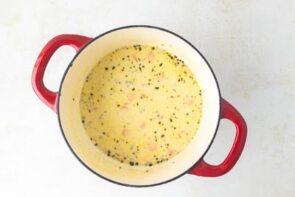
50 98
47 96
202 168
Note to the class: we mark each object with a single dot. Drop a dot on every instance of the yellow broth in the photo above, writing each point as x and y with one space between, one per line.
141 105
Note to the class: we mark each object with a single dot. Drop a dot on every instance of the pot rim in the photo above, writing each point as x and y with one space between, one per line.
126 27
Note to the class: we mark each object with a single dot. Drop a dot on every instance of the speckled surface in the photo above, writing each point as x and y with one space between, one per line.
140 105
249 44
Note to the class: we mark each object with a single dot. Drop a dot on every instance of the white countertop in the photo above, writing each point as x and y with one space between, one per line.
249 44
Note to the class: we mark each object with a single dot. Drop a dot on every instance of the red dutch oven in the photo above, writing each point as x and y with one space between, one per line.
65 103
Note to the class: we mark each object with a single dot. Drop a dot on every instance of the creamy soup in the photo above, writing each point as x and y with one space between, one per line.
141 105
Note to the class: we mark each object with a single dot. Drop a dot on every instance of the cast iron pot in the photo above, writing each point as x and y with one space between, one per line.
66 104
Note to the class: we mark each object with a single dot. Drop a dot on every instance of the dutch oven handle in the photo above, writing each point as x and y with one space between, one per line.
47 96
202 168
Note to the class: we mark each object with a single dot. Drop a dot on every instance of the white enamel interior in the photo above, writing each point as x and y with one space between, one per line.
77 138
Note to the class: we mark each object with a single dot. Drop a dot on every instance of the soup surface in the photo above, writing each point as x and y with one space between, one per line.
141 105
